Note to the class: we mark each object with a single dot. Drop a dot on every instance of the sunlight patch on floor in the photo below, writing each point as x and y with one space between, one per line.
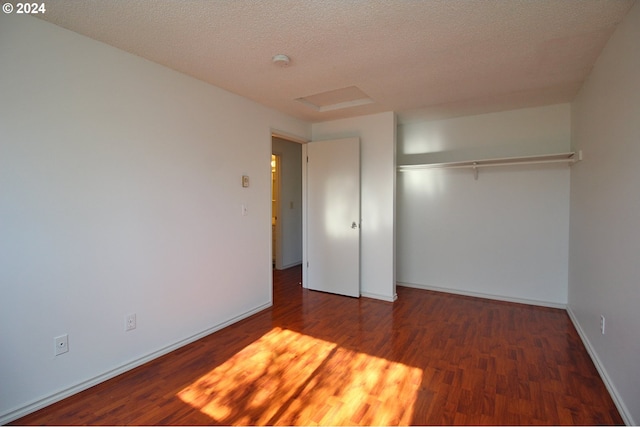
289 378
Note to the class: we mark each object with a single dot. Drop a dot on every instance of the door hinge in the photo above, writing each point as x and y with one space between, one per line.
307 159
307 264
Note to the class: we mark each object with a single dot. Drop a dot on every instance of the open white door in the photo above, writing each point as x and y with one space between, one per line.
333 216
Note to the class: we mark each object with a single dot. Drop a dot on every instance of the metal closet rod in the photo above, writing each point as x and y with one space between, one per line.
505 161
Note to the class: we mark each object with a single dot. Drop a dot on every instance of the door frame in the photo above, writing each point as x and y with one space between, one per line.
305 260
296 140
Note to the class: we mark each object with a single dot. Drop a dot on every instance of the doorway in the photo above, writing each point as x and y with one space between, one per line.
286 202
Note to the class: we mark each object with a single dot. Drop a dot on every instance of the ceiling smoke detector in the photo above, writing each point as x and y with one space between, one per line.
281 60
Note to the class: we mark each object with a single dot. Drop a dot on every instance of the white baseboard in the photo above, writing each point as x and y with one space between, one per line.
379 297
284 267
485 296
624 412
14 414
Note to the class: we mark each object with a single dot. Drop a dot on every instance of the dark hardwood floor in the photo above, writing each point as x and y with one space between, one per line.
315 358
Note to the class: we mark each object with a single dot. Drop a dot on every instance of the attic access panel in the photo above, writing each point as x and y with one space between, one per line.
347 97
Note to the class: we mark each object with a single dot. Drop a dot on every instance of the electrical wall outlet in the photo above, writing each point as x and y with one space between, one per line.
130 322
62 344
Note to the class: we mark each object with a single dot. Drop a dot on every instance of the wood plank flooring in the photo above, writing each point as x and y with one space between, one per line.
315 358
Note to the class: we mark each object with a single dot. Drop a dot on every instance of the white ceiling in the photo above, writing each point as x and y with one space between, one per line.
424 59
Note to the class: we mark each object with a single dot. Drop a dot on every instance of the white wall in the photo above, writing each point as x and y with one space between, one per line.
120 192
604 272
377 135
290 202
504 235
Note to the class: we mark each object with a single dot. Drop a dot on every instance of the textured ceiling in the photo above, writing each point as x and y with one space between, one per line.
423 59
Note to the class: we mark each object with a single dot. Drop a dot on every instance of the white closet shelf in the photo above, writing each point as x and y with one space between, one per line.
504 161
